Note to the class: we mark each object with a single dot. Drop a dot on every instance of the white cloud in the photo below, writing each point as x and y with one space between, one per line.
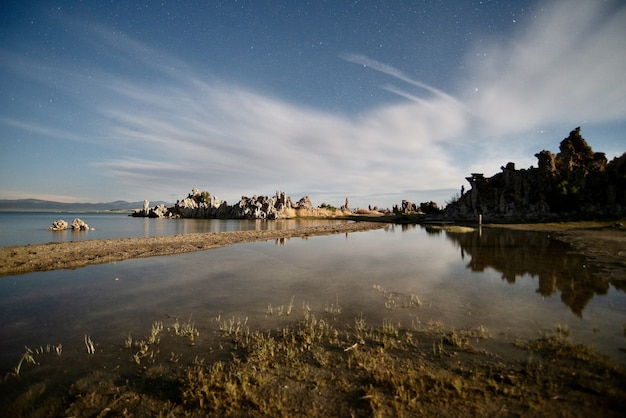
566 68
235 138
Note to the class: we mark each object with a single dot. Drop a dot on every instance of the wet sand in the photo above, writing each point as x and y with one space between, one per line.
70 255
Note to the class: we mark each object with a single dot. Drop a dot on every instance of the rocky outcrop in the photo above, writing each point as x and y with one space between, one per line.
159 211
304 204
406 208
79 225
346 206
59 225
409 208
199 205
204 205
429 208
575 183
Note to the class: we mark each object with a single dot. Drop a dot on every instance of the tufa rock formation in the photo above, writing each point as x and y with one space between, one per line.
204 205
410 208
59 225
79 225
576 183
406 208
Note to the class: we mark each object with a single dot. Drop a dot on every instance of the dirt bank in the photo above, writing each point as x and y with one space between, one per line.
70 255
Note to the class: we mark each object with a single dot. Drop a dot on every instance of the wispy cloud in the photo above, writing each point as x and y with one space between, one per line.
394 72
236 139
21 194
45 130
567 67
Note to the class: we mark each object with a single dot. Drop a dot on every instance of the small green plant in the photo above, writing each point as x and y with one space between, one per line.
237 330
480 332
456 339
414 301
290 306
58 349
398 299
438 350
157 328
128 343
390 329
327 207
26 357
333 309
89 344
187 329
282 310
562 330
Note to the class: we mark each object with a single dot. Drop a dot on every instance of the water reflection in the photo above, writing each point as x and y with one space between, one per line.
519 253
17 228
108 301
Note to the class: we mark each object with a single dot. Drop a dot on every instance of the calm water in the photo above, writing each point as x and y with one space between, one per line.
513 283
21 228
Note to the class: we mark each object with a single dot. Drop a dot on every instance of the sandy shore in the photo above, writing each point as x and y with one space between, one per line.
70 255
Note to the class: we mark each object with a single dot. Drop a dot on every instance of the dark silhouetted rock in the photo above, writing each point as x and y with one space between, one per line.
575 183
429 208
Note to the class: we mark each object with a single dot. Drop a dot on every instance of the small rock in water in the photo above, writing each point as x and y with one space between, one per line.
78 224
59 225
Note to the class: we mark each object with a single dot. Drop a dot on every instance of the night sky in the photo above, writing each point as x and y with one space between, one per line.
375 101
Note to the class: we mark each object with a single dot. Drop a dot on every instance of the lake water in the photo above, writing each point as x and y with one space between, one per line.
515 284
22 228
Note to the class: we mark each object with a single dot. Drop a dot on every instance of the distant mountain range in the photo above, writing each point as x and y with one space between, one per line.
47 205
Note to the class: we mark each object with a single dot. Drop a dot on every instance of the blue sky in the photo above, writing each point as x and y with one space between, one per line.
375 101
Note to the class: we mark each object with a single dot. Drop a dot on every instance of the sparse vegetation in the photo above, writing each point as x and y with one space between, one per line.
398 299
453 199
205 197
327 207
91 349
323 364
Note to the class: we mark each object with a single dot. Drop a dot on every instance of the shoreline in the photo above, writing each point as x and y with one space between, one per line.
603 243
17 260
